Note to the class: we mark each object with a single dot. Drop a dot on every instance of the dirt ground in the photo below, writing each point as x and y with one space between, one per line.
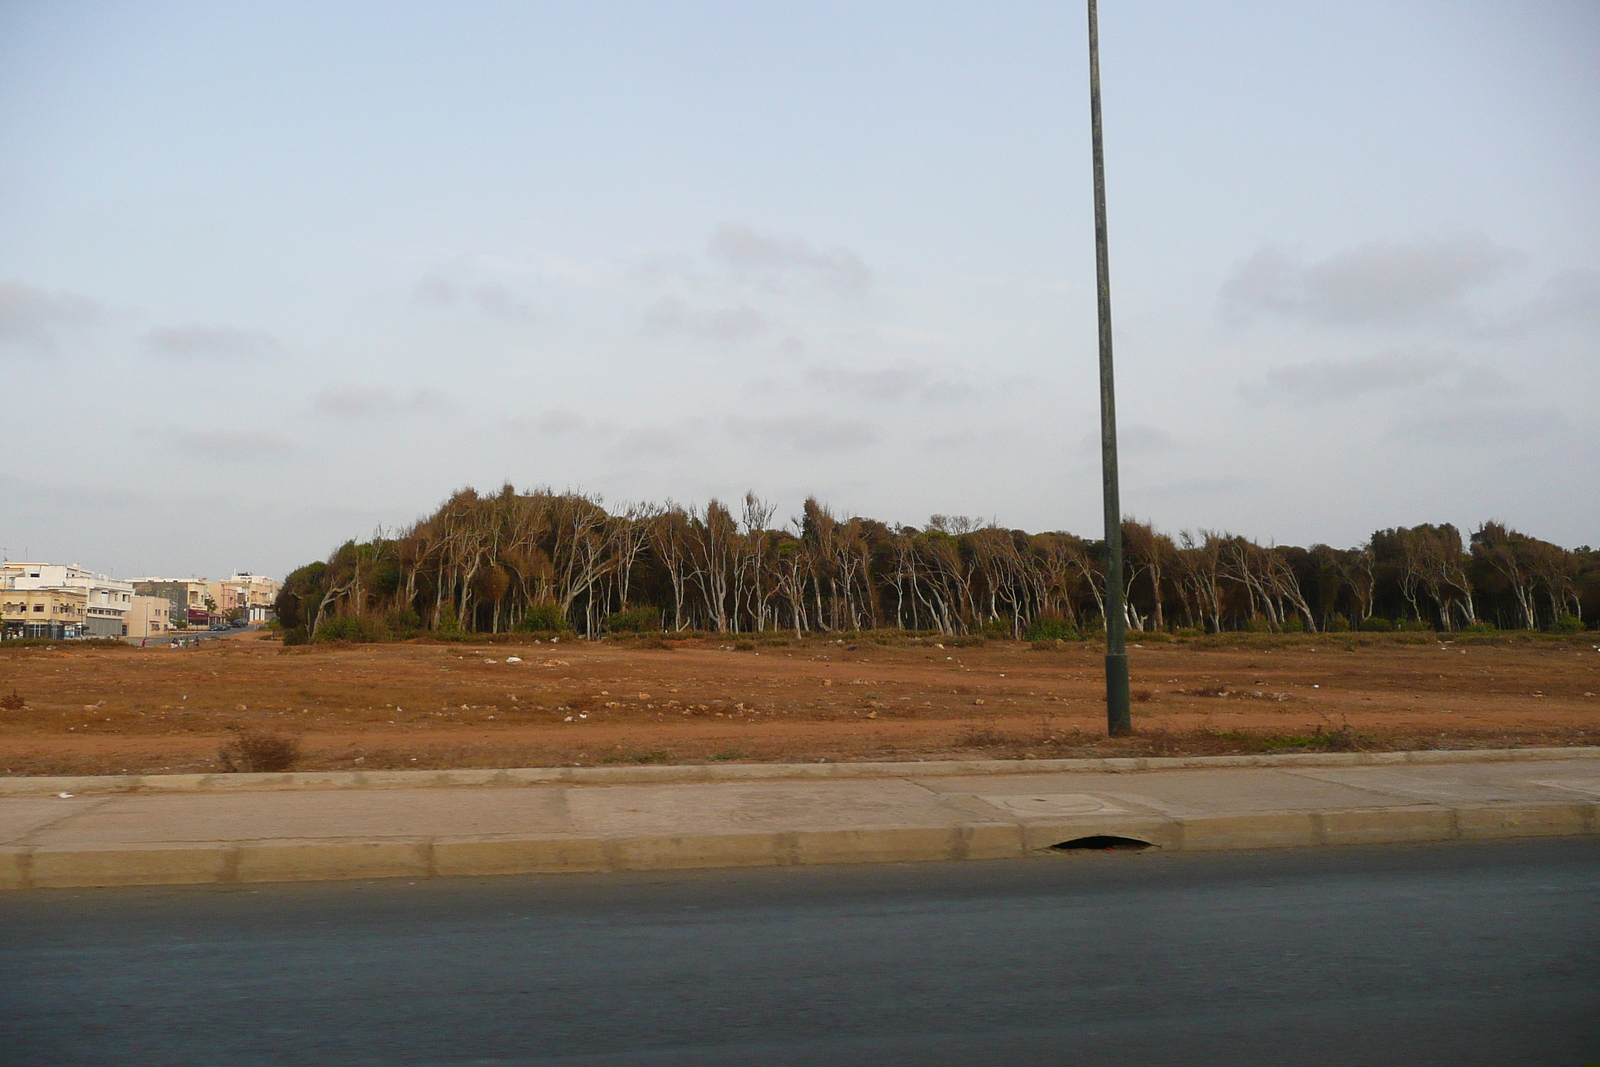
104 710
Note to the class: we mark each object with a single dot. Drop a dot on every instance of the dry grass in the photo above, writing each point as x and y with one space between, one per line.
14 702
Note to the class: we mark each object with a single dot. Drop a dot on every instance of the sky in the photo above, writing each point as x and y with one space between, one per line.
277 275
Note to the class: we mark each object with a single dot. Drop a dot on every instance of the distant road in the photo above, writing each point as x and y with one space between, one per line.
1451 955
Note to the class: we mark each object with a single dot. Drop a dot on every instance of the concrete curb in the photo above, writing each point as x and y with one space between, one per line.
658 775
235 862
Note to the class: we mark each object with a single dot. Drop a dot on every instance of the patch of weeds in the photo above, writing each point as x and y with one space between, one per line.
653 641
646 755
745 646
14 702
1142 696
725 755
257 751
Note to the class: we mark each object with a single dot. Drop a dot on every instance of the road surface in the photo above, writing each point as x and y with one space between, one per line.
1448 954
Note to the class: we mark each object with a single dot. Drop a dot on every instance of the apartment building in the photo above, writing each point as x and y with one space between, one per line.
149 616
56 614
106 600
182 594
253 594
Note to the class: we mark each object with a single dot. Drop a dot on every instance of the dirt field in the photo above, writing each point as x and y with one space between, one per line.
109 710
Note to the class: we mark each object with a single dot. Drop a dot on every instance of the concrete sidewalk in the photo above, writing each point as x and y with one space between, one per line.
418 824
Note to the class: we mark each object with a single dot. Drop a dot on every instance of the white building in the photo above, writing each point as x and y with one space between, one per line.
108 599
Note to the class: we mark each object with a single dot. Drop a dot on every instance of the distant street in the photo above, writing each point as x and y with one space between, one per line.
1451 955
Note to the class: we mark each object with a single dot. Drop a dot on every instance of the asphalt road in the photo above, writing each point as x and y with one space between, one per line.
1452 955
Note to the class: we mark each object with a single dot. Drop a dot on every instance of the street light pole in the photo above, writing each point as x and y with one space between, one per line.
1118 716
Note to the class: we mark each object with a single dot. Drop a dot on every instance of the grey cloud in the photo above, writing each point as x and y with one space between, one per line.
236 445
1196 487
651 441
209 342
1132 439
1331 380
553 423
1380 282
490 297
888 384
776 261
669 314
30 316
808 433
1570 296
1484 427
365 401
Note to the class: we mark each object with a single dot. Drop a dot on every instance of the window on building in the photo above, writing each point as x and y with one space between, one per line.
38 608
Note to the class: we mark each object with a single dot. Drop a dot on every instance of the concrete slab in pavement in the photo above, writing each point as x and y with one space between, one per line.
534 821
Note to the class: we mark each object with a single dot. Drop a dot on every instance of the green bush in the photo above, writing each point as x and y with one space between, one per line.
295 635
543 618
448 622
645 620
1377 625
347 629
1479 627
1337 624
1568 624
1294 625
403 621
1051 626
1415 626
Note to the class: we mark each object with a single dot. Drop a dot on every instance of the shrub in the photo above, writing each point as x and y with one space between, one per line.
257 751
634 621
1415 626
295 635
1568 624
1051 626
14 702
1337 624
448 622
1377 625
349 629
1479 627
543 618
403 621
1294 625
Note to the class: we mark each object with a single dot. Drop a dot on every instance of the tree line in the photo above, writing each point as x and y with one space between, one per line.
546 561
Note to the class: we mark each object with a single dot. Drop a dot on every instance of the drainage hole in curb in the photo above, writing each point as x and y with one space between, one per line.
1102 843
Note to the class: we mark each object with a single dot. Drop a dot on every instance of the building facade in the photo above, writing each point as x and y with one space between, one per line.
56 614
106 599
252 595
182 594
149 616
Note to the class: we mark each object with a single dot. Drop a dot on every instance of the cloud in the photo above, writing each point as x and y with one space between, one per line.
553 423
776 261
1330 380
365 401
30 316
807 433
1195 487
1133 439
888 384
1483 427
1380 282
671 315
1569 296
491 298
209 342
236 445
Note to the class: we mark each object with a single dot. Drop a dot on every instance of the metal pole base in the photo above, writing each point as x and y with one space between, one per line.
1119 712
